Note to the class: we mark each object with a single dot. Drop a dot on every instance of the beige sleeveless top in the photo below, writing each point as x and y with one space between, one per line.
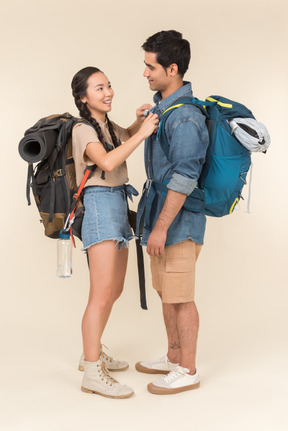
82 135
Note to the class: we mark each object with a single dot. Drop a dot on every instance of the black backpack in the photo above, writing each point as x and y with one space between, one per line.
53 181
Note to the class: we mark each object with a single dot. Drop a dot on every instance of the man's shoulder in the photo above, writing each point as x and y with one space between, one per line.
185 113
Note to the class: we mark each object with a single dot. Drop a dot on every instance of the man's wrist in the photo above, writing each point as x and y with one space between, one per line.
161 226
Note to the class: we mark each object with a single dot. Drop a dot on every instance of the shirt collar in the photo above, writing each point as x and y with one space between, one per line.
102 123
184 91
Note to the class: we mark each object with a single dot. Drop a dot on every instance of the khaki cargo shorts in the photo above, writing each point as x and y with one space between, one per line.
173 274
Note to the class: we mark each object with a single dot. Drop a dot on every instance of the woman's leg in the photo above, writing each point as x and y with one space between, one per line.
120 273
107 274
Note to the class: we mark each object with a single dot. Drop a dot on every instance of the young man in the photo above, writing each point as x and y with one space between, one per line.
173 235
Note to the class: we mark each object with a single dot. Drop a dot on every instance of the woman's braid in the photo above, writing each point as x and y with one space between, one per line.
85 113
115 141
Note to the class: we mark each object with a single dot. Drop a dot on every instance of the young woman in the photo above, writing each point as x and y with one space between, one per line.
105 229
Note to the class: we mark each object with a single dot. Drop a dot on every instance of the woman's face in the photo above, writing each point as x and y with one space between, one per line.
99 95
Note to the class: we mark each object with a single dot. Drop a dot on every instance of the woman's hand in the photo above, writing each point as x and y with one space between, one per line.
149 125
140 112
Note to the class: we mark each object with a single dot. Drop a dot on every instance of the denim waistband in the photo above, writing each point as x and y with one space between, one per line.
127 188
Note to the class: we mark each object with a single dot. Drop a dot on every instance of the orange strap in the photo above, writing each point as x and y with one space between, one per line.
87 172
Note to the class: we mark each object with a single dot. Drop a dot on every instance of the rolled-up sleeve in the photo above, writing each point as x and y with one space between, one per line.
188 145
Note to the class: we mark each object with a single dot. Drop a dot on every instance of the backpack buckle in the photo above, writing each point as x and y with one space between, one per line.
58 173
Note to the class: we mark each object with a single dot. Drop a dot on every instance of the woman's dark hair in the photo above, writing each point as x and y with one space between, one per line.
170 48
79 89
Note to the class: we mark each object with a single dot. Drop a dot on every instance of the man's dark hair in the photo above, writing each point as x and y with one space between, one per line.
170 47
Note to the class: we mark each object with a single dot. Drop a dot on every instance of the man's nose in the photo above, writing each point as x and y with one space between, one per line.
146 72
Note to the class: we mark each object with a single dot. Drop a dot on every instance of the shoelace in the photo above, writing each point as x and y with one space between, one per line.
177 372
104 374
103 355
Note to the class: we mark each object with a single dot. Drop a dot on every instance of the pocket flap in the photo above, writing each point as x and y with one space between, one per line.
179 265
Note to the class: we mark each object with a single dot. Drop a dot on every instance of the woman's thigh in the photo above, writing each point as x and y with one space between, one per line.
107 266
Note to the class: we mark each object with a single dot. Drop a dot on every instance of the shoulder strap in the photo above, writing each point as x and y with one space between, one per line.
70 219
161 135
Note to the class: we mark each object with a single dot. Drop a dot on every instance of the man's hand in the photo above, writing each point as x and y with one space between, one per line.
156 242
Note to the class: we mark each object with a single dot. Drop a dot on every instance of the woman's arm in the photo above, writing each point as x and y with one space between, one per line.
109 161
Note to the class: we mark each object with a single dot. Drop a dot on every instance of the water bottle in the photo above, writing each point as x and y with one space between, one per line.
64 255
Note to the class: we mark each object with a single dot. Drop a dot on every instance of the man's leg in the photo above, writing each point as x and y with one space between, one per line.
170 320
188 326
182 325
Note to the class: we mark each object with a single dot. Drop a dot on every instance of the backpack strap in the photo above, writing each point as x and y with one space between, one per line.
141 274
70 219
161 135
30 176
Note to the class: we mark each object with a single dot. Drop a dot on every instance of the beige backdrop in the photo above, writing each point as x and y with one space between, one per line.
239 50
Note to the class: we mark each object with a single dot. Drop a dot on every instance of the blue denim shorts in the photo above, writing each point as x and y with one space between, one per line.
105 215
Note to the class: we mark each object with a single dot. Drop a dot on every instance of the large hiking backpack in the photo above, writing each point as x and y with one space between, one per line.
53 181
228 160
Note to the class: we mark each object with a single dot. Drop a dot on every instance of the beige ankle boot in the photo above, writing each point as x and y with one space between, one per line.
97 380
111 363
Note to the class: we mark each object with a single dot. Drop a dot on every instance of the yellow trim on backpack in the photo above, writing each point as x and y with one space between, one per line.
225 105
171 107
233 205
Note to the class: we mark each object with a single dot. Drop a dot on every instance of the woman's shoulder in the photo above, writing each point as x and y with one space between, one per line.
82 127
84 130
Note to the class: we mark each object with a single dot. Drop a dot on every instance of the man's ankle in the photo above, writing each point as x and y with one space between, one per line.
173 358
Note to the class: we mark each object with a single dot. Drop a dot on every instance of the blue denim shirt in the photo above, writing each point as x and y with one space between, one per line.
188 138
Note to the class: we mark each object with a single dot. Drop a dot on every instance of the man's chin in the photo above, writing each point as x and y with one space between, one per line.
152 87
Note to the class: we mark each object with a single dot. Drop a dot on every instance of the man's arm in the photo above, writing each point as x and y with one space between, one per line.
156 241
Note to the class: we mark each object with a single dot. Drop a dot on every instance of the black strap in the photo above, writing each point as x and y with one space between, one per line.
141 274
52 200
140 260
29 177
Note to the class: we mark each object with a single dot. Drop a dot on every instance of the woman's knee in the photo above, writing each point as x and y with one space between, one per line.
117 293
101 300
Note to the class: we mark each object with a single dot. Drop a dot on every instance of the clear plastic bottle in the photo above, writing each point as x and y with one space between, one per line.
64 255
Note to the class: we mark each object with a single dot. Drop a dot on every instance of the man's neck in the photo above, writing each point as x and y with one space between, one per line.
167 92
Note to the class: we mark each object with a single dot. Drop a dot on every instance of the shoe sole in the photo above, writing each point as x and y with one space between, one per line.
89 391
81 368
157 390
146 370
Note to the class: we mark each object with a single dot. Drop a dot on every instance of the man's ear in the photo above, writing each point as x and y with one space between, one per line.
173 69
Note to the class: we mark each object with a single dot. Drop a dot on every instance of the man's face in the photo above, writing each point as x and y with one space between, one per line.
155 73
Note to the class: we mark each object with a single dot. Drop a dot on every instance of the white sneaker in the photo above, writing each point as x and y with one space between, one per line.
97 380
176 381
111 364
159 366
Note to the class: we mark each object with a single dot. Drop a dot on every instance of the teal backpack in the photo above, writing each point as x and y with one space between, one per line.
227 163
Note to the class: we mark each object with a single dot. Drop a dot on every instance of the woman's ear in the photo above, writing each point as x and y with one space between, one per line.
83 99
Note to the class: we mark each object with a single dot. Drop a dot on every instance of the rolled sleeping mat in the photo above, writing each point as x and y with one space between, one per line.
37 146
250 133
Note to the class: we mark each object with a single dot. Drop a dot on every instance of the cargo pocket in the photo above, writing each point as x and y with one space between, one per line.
180 280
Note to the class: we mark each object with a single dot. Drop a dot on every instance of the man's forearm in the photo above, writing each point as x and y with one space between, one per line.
173 203
156 241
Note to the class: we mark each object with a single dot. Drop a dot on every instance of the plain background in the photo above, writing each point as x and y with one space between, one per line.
239 50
